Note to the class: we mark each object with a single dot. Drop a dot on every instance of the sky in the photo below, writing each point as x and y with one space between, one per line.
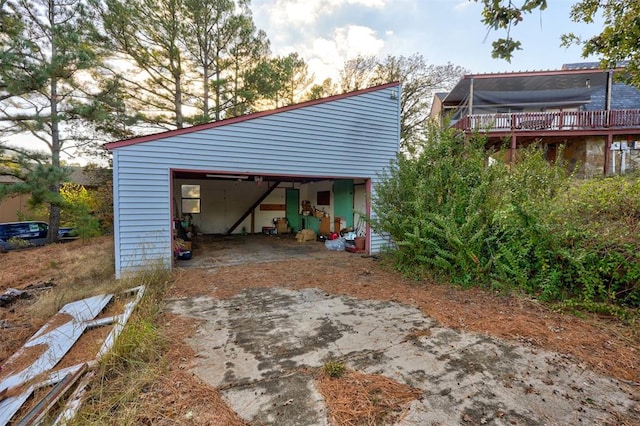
328 32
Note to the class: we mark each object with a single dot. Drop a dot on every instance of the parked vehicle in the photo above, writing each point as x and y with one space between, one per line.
24 234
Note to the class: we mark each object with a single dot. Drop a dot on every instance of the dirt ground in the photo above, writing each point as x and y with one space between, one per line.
595 343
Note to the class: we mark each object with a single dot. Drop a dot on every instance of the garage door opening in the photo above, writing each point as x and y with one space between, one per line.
210 205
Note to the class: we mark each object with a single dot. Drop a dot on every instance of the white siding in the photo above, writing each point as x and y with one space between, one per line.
348 137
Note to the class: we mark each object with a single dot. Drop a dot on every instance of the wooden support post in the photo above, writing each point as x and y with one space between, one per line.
512 150
607 153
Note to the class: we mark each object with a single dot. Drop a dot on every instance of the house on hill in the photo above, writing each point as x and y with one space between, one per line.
580 107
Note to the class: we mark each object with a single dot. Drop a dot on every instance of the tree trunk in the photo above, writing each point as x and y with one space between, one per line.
218 86
178 104
205 96
54 209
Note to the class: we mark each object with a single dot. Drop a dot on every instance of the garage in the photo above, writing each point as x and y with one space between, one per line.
312 165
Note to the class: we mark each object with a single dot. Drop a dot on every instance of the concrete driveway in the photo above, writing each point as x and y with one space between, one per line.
262 346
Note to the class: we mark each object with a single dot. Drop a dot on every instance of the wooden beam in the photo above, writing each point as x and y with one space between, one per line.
273 207
253 206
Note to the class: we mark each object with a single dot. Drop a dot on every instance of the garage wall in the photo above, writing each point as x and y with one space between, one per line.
346 136
224 201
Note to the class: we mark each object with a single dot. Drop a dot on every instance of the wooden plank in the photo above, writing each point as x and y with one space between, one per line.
37 413
273 207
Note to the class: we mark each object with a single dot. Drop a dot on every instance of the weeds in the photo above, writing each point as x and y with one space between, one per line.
334 369
134 362
530 227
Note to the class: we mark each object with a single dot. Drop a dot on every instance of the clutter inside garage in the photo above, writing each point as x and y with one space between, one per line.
324 210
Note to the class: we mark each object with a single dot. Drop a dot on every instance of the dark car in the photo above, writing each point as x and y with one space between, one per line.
32 233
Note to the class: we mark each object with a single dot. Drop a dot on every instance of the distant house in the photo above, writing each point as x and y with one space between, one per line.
15 207
11 207
581 107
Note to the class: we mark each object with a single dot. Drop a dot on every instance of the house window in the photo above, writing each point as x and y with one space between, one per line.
190 199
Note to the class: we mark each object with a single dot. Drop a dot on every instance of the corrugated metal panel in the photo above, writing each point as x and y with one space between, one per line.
355 137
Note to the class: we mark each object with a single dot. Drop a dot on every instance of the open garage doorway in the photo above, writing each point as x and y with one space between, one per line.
209 205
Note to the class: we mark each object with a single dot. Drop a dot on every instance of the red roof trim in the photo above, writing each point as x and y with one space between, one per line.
249 173
170 133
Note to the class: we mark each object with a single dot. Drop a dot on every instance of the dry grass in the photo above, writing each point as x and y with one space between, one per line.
133 363
147 379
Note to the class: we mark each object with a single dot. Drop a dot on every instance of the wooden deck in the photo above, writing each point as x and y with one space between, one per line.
560 120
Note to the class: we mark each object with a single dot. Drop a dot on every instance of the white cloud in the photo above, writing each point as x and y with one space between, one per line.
377 4
297 13
326 56
301 13
316 29
355 39
463 5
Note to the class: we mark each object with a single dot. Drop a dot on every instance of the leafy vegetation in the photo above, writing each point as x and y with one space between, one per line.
89 211
334 368
530 227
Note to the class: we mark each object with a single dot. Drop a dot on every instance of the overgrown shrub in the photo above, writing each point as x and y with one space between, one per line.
600 219
79 204
528 227
433 207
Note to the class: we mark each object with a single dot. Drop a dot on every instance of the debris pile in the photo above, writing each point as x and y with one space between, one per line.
33 367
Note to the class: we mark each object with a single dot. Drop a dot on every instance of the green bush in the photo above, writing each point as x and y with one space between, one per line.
432 206
529 227
78 206
600 218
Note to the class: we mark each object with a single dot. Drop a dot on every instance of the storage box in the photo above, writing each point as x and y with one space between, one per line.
181 244
282 226
305 235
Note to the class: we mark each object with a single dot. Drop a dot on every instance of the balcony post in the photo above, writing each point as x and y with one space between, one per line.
607 152
512 150
471 97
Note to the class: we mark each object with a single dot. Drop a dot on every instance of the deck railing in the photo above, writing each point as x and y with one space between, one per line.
558 120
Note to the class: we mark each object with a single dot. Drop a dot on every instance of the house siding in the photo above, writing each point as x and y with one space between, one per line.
350 137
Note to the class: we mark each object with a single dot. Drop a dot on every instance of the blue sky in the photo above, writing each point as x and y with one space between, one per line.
327 32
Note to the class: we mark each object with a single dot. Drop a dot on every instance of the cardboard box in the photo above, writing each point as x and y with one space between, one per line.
282 226
305 235
181 244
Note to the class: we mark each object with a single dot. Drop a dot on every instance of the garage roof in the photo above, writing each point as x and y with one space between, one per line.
170 133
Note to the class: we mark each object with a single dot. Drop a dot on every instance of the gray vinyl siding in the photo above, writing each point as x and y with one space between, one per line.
351 137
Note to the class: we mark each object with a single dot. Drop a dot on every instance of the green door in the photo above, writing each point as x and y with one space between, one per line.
343 199
292 208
